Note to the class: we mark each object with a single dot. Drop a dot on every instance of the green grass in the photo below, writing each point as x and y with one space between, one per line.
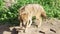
52 8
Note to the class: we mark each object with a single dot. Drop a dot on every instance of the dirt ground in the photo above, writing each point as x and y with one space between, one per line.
50 26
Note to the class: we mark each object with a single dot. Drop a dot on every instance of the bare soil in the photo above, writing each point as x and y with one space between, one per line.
50 26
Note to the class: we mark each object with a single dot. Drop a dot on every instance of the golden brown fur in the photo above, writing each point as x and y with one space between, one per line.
28 11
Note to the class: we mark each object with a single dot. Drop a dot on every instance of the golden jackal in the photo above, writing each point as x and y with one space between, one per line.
28 11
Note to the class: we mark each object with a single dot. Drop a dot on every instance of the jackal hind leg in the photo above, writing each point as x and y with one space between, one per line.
39 21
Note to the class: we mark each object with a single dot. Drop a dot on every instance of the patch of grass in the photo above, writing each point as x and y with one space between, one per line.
52 8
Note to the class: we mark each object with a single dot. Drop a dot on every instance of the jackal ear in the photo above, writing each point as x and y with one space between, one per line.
22 8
